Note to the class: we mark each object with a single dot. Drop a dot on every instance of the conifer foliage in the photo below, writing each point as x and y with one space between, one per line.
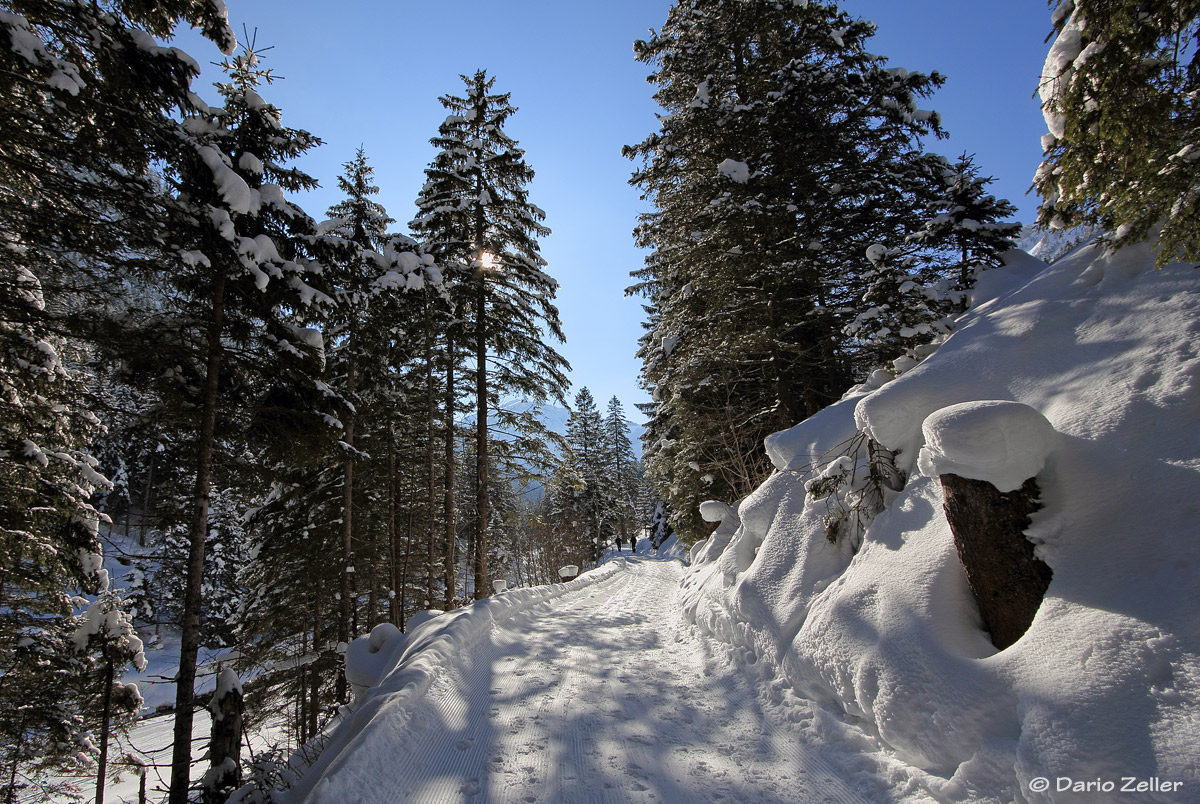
786 149
1119 92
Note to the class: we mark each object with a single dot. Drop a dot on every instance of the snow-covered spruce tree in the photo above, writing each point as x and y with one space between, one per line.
623 479
107 643
1119 93
300 604
914 290
660 525
902 313
967 228
359 224
241 286
565 519
589 463
90 102
785 150
476 219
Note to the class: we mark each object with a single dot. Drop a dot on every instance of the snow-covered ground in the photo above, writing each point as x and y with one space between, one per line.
783 666
602 694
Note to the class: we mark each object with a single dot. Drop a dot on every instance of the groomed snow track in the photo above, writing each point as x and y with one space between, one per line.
593 692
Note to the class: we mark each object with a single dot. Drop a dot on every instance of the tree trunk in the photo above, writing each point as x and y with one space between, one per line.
449 513
345 609
145 504
1007 579
393 536
189 643
408 539
302 693
430 465
105 718
481 441
314 677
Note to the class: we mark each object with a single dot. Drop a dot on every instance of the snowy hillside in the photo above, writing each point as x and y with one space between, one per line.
1104 686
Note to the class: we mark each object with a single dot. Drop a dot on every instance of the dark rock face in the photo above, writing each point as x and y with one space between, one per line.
1007 579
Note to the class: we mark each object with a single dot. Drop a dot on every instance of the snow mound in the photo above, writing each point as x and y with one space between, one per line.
1004 443
409 664
713 510
367 657
672 550
1085 373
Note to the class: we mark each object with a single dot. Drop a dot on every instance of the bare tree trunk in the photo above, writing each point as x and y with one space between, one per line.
449 512
145 504
345 609
314 678
106 716
302 693
189 647
372 592
431 487
393 536
481 440
408 540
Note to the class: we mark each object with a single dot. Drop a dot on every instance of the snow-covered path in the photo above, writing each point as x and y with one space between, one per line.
603 695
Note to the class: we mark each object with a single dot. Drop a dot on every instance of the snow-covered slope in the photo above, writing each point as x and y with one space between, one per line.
1104 686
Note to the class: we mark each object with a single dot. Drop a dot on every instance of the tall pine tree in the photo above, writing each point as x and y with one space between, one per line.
476 219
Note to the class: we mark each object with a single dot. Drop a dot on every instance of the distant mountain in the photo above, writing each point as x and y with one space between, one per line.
556 419
1050 244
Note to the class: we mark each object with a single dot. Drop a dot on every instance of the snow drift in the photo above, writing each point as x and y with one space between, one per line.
1104 685
392 671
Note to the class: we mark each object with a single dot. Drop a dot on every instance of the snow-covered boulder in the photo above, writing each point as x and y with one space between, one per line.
1004 443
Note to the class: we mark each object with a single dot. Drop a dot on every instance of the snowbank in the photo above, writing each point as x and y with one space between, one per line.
413 662
1102 355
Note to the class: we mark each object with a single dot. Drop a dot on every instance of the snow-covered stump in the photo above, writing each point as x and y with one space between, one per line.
987 455
567 573
225 746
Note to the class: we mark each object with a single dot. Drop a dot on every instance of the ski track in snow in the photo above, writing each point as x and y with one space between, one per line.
603 696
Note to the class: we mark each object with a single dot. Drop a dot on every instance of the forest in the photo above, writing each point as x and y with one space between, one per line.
288 428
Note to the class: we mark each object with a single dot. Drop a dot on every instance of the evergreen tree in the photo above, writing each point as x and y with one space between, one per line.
476 219
1119 92
966 227
785 150
623 480
91 103
242 269
590 463
360 224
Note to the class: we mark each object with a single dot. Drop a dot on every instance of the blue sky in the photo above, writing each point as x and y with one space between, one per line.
369 72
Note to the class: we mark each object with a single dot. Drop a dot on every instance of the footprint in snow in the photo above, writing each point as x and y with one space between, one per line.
464 744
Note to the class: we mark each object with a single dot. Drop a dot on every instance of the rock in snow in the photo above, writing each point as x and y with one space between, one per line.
1004 443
